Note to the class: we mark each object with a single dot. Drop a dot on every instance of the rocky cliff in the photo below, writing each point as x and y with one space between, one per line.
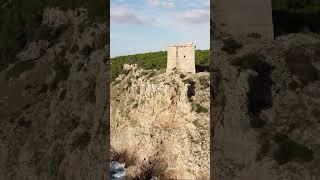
160 124
265 107
53 102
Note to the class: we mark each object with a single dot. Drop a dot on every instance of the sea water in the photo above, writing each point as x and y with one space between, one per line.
117 171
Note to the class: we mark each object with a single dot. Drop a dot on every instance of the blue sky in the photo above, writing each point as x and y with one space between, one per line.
139 26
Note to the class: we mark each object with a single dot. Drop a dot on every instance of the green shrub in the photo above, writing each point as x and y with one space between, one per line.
199 109
55 161
19 68
144 73
230 45
289 150
53 168
188 81
202 58
248 61
147 61
307 6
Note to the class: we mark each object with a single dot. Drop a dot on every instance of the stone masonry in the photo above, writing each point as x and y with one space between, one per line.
181 57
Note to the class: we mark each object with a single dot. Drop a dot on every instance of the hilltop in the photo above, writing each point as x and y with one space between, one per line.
155 60
160 123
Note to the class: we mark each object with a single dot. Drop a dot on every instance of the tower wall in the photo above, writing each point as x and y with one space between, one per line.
181 57
242 17
186 59
171 58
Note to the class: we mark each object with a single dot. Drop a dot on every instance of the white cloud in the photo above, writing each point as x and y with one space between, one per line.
198 4
124 15
194 16
162 3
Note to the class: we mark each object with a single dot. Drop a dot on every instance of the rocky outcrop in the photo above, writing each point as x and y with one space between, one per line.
34 50
160 124
265 105
56 17
54 103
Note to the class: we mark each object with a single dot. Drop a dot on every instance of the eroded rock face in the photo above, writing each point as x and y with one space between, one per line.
34 50
53 119
264 109
56 17
160 125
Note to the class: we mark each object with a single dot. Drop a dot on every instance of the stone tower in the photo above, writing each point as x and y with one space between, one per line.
181 57
242 17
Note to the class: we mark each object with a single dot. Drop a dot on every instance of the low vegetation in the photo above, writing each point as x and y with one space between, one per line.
307 6
230 45
248 61
199 109
289 150
188 81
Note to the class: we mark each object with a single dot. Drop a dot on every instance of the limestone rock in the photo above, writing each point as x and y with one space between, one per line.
53 122
265 98
161 121
34 50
